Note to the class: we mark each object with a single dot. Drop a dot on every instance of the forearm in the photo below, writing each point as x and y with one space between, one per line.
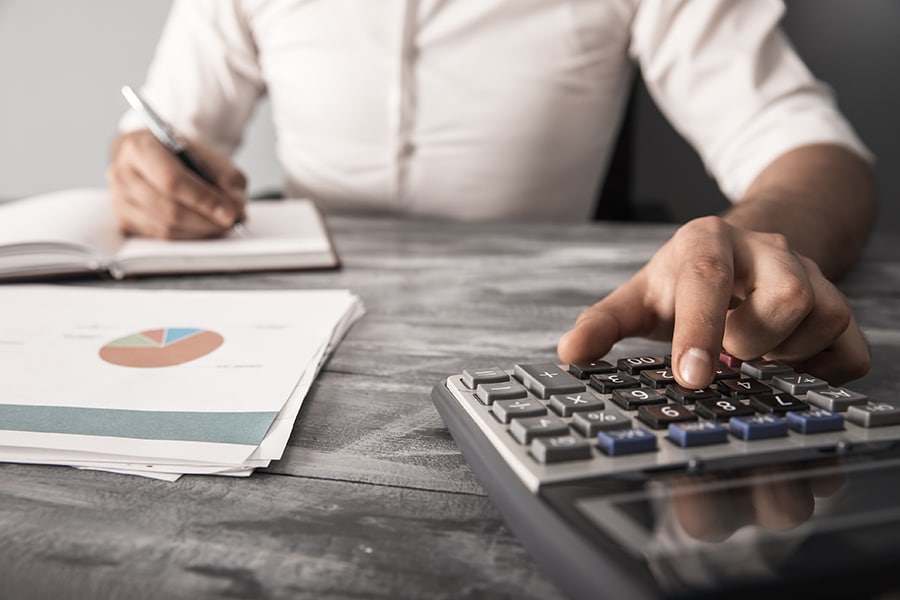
821 197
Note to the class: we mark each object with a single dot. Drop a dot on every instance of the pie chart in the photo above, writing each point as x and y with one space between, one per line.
163 347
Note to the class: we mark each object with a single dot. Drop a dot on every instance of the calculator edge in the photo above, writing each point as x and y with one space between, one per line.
580 569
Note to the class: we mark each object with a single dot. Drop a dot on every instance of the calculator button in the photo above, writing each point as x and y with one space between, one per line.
742 388
874 414
487 393
608 383
777 403
725 372
559 448
626 441
546 379
815 420
525 430
657 378
697 433
730 361
473 377
589 424
569 404
836 399
636 364
758 427
659 416
630 399
585 370
506 410
722 409
799 384
765 369
688 396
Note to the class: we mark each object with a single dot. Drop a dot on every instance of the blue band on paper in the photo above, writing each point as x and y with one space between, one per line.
215 427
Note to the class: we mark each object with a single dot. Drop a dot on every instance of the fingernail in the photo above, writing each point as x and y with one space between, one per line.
223 216
695 367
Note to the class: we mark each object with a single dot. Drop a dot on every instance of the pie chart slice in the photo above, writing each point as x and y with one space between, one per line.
164 347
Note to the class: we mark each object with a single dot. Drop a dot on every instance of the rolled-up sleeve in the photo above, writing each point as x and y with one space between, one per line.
205 78
728 80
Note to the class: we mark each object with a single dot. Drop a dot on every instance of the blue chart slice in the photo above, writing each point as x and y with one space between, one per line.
178 333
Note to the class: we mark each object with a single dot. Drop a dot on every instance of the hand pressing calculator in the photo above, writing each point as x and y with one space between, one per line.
623 484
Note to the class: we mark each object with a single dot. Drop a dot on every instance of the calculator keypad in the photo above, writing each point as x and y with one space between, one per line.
595 417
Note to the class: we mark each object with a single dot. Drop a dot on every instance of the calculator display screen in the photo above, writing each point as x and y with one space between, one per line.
760 524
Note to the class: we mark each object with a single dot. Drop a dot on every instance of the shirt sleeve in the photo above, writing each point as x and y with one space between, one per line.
728 80
205 77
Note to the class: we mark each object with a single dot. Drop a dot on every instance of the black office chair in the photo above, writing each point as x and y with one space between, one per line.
616 199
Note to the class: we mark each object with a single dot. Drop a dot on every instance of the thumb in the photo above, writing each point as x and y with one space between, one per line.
619 315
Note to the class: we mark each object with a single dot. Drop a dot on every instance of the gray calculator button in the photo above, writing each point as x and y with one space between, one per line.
525 430
546 379
561 448
506 410
565 405
765 369
473 377
798 383
589 424
835 399
874 414
488 393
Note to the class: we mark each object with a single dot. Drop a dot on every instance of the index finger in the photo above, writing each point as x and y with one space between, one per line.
704 263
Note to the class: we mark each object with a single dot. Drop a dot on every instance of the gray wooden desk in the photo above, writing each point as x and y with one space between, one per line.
372 498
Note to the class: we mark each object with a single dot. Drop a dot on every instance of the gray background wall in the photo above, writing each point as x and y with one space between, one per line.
62 63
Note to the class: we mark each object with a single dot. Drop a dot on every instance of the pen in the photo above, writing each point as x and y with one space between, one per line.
162 132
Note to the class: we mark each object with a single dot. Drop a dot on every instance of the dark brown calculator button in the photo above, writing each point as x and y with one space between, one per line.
630 399
742 388
722 409
585 370
657 378
659 416
777 403
607 383
688 396
636 364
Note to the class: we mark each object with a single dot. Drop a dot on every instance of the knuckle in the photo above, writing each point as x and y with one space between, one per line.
792 299
776 240
236 179
713 269
836 315
709 225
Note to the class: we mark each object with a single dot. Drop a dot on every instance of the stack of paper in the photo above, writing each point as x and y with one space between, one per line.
160 382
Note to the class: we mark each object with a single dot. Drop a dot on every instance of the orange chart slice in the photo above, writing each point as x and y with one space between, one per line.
163 347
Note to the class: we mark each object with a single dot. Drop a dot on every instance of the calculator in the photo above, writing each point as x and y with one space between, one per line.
623 484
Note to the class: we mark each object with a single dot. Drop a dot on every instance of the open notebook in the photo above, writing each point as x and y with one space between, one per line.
74 232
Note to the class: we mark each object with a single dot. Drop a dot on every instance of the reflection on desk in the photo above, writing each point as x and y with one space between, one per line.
372 498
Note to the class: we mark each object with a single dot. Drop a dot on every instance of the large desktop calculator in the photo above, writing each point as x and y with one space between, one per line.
624 484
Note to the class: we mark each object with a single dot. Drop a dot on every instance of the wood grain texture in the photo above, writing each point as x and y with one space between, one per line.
372 498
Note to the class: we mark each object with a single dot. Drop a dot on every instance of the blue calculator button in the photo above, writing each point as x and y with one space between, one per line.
815 421
699 433
758 427
626 441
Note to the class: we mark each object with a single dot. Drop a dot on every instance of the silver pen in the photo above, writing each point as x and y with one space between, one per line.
162 132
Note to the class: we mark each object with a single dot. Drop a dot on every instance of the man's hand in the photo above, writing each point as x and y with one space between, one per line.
715 286
155 195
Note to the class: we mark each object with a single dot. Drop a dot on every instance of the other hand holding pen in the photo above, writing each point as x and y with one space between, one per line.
154 194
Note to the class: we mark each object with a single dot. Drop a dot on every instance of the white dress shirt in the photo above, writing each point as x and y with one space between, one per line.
485 109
